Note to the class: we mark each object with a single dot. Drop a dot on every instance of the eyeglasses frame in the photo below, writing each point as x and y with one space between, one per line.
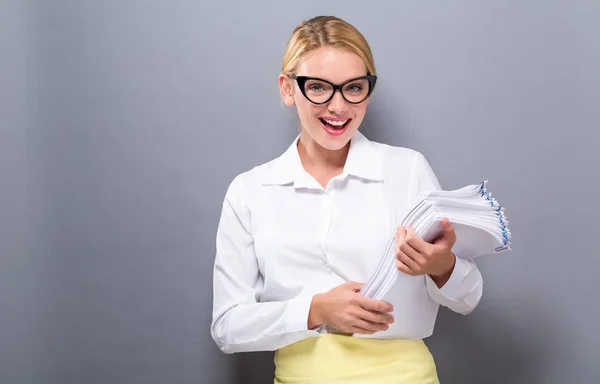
301 80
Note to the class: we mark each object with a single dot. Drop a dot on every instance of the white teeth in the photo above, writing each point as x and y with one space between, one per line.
336 123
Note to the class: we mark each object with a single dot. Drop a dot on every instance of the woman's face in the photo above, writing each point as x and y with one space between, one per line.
331 125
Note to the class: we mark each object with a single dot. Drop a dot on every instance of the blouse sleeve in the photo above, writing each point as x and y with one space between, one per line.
240 323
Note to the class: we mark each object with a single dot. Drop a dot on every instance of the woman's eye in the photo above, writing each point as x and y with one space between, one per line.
354 88
316 88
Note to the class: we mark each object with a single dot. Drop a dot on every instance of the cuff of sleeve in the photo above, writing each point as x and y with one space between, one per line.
297 315
452 289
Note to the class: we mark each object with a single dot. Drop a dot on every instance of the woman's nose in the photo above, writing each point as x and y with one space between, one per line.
337 104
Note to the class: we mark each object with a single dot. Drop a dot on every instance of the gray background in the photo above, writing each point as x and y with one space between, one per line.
123 122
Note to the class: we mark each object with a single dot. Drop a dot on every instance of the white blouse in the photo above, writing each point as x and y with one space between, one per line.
283 238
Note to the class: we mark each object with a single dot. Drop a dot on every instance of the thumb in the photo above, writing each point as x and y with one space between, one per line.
449 236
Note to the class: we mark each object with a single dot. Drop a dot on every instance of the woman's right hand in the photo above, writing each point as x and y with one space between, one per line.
344 308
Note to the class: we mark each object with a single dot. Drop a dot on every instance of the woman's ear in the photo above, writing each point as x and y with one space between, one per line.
286 87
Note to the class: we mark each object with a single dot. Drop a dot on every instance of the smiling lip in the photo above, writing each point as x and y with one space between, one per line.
332 126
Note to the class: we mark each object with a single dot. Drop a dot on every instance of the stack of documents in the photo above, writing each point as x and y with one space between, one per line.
478 220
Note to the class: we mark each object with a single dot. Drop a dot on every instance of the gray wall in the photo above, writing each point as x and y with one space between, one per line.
123 122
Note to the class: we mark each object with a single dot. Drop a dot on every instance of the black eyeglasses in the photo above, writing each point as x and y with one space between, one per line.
320 91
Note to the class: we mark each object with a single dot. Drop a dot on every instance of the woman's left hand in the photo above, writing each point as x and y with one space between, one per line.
414 256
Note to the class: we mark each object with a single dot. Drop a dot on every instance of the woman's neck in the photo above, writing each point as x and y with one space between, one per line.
323 164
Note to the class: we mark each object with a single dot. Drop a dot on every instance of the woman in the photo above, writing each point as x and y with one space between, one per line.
300 235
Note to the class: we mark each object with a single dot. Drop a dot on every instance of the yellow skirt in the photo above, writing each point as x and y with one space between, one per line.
341 359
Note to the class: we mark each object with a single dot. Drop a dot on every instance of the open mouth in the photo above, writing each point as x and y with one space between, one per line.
334 126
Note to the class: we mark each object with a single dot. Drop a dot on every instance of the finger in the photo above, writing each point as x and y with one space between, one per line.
374 305
353 286
413 254
414 267
361 331
370 326
400 235
416 242
376 317
398 238
403 246
404 268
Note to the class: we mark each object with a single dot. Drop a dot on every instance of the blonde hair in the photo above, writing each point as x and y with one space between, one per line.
322 31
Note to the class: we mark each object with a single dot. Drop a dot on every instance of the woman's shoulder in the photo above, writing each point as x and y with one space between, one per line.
406 169
402 165
399 156
394 150
247 181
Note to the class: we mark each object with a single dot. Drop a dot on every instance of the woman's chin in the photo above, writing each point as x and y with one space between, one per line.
335 143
